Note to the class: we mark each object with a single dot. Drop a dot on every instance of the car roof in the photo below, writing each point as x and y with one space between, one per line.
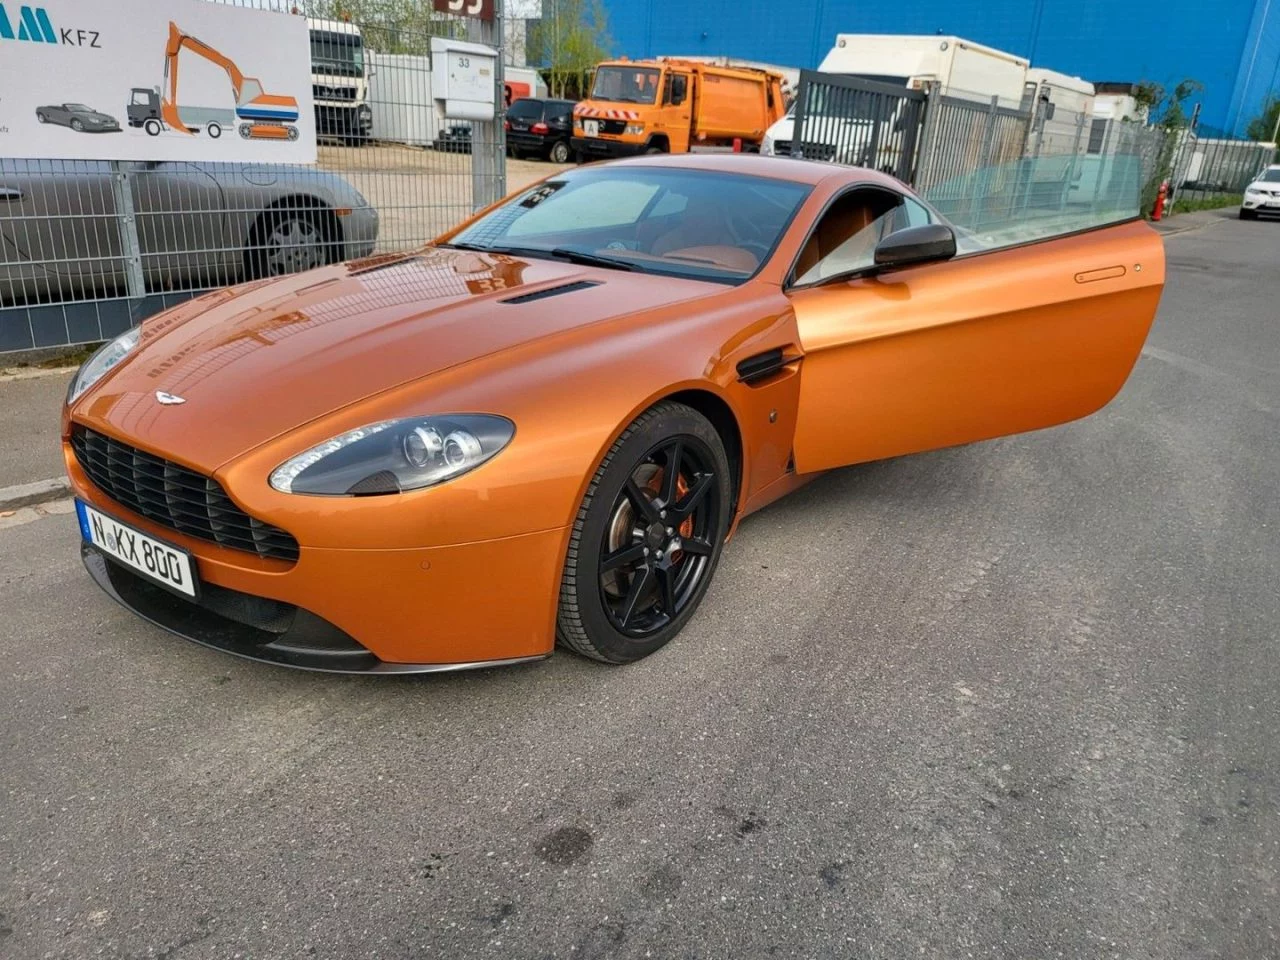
810 172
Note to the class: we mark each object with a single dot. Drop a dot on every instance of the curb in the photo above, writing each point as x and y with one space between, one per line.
33 494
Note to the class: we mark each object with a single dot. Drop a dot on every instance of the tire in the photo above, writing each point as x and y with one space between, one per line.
152 127
623 611
654 150
214 130
246 131
41 118
76 125
291 241
559 152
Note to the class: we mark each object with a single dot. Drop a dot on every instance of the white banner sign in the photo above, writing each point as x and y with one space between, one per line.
154 80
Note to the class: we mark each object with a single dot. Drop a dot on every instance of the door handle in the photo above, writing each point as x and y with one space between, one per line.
10 195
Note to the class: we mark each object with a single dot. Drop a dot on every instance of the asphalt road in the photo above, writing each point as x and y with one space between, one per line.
1019 699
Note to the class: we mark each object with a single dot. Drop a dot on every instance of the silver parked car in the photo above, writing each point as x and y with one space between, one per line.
199 225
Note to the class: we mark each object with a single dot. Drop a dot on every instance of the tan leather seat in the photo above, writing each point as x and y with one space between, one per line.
846 218
702 224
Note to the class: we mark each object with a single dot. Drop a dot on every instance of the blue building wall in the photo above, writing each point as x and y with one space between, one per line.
1232 47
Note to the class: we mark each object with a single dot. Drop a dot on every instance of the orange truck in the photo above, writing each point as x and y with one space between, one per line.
673 106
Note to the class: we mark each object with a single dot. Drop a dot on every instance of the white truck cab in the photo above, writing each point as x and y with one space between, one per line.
340 81
955 66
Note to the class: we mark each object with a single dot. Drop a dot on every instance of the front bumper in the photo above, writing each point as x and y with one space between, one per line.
596 147
334 120
253 627
359 610
1263 204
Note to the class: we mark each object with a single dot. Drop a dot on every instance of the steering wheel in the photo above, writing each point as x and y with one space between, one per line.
748 235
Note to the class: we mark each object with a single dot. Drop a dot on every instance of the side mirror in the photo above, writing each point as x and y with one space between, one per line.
926 244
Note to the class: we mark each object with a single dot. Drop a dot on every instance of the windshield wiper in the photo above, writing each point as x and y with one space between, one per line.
557 253
590 259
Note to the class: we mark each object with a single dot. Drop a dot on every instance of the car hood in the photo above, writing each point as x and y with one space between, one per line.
92 115
254 362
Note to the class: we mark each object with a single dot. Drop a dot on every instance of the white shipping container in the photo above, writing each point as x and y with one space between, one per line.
400 96
961 68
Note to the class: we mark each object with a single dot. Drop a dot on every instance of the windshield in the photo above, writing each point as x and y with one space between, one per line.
626 84
80 107
1271 176
690 223
341 54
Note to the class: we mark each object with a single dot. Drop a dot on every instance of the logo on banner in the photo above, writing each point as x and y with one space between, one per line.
33 26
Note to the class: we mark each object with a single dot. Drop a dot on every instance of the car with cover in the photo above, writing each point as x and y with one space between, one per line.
198 224
545 425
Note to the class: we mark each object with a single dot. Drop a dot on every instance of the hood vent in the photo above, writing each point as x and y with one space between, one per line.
552 291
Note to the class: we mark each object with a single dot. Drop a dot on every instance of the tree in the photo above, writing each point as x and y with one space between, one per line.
1167 108
568 41
391 26
1263 127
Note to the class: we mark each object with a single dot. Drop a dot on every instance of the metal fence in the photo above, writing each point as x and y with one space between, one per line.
88 248
856 121
1207 168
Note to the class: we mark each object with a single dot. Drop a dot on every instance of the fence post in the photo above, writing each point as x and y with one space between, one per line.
488 139
1081 118
798 121
127 221
928 136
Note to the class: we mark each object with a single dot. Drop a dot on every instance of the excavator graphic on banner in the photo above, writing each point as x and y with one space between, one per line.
257 116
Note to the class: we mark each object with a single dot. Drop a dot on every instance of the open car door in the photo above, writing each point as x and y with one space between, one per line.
965 349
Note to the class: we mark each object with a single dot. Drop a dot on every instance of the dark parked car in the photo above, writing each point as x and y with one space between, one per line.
540 128
77 116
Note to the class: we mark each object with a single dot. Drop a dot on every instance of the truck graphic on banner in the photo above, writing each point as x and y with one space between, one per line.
258 115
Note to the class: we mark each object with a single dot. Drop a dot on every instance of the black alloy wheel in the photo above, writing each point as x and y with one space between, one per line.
647 537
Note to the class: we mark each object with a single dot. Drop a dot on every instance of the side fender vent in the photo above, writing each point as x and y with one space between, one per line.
552 291
761 366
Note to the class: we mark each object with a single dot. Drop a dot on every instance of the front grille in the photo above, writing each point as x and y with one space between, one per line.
613 126
320 92
782 148
172 495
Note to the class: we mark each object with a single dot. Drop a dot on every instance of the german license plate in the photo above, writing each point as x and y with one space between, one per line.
167 565
591 128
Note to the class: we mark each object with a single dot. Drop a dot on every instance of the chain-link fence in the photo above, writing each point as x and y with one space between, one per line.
87 248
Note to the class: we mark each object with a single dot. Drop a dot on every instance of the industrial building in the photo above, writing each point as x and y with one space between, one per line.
1231 47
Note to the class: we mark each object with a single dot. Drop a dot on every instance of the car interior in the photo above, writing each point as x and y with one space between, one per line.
845 238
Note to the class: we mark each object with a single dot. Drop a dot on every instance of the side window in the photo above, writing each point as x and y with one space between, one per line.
845 238
910 214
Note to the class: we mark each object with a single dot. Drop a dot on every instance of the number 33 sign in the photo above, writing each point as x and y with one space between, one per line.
479 9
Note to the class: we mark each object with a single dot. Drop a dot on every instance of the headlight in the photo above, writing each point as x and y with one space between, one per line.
395 455
96 367
1253 191
635 129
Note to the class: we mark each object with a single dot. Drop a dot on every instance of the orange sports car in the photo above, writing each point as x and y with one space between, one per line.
545 425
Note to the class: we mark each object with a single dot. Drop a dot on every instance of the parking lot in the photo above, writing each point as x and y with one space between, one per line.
418 193
1015 699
